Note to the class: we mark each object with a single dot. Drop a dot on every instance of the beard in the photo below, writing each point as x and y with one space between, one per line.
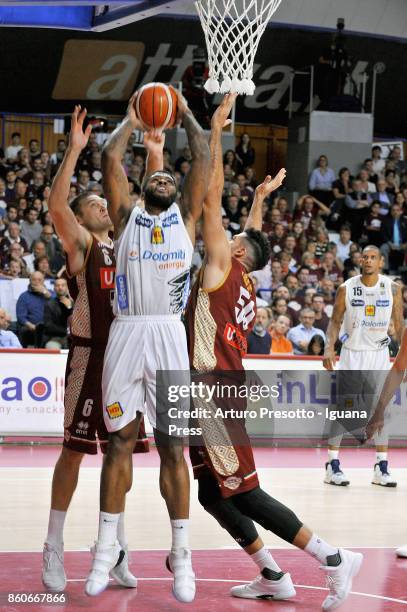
158 200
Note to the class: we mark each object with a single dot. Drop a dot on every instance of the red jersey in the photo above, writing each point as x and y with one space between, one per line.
92 289
219 320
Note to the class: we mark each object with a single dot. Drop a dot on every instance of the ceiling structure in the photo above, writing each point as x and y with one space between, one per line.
378 17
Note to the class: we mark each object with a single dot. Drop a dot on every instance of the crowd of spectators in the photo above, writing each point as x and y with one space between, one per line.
315 246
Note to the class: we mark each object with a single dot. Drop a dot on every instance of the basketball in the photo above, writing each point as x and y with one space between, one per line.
156 106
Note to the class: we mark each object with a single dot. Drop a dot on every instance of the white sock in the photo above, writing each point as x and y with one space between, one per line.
263 558
333 454
381 457
107 535
120 531
320 549
180 537
55 535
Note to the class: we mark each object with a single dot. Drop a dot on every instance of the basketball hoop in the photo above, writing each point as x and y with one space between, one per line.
233 29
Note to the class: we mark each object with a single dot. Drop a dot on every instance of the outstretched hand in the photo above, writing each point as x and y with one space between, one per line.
78 137
154 141
220 116
271 184
132 115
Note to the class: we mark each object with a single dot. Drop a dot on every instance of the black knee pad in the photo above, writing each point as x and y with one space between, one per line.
239 526
269 513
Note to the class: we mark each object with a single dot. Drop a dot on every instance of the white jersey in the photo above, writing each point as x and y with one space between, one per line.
153 258
367 315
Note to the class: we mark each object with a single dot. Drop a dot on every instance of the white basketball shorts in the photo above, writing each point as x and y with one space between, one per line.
350 359
137 348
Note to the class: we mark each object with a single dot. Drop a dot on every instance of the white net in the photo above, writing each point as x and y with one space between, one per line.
233 29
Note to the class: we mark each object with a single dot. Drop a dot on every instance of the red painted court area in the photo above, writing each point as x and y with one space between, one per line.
380 586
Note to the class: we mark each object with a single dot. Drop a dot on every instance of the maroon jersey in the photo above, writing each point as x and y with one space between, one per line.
92 289
219 321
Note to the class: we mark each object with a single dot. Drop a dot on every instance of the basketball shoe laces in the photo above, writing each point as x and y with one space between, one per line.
49 552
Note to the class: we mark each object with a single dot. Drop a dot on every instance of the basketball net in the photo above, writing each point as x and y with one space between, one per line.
233 29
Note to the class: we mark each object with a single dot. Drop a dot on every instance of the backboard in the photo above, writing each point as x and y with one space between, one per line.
91 15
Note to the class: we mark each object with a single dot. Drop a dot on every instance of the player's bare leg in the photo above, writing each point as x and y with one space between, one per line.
174 488
64 482
117 476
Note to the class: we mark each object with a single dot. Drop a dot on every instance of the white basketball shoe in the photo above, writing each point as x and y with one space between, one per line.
382 476
402 552
339 578
334 474
104 560
261 588
179 563
53 572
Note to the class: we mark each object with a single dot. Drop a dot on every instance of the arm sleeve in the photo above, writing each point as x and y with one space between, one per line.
15 342
312 181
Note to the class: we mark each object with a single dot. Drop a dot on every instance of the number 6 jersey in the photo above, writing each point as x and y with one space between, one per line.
367 315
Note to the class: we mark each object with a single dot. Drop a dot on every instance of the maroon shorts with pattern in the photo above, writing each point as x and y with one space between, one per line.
84 426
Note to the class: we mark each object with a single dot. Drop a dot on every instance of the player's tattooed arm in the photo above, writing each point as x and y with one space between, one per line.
397 313
255 218
115 183
334 328
196 181
74 236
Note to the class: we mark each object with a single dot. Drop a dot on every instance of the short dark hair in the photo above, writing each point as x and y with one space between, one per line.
260 249
76 204
16 134
345 227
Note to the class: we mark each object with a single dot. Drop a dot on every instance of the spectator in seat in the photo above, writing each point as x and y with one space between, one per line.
38 250
386 199
373 225
344 242
53 247
42 265
279 341
245 153
57 310
14 147
10 191
14 269
31 228
34 149
259 340
11 236
7 338
378 162
30 311
400 165
394 235
353 263
392 182
321 181
329 269
300 335
366 185
316 345
230 159
327 288
58 156
372 176
318 306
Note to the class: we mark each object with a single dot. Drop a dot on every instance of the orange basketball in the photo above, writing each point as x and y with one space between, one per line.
156 106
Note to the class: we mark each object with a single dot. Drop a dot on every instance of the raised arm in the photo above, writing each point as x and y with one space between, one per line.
334 328
216 243
255 218
115 183
196 181
75 238
397 313
154 142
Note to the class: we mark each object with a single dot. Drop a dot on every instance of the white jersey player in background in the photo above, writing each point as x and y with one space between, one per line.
154 248
364 306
